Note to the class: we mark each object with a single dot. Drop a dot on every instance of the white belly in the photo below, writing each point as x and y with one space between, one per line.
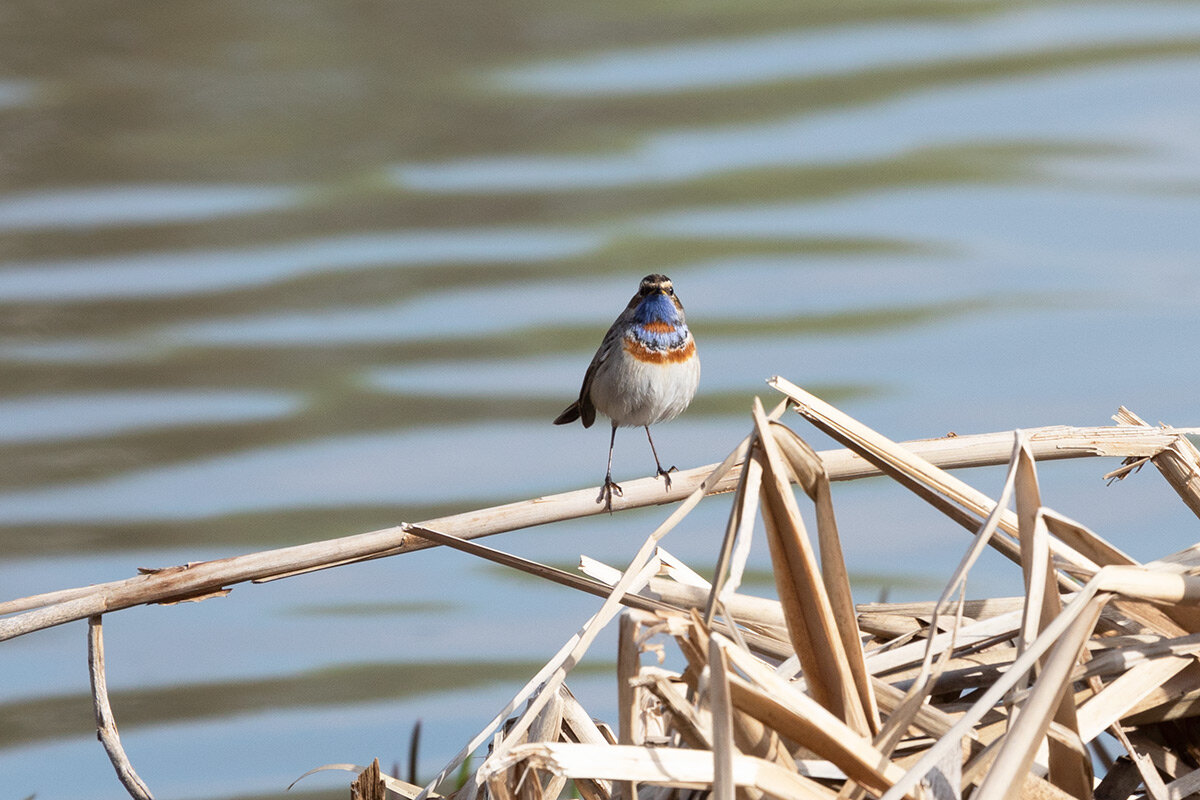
635 393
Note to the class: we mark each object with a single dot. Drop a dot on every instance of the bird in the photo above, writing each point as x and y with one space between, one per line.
645 371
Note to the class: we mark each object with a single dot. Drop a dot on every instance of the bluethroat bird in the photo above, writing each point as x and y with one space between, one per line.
646 371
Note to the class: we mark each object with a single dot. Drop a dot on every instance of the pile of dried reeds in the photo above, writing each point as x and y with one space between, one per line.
809 696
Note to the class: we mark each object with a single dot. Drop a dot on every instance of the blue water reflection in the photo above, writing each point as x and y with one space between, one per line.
42 418
138 205
806 53
146 275
1107 106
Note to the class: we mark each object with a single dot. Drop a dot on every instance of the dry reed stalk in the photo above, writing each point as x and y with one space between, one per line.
727 574
1153 782
748 735
1123 694
686 769
630 727
546 727
744 609
190 581
579 727
535 568
746 511
975 610
691 723
998 628
721 709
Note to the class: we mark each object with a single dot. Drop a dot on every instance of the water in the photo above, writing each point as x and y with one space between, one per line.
273 273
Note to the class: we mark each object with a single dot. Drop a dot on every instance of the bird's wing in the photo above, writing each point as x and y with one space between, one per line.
612 341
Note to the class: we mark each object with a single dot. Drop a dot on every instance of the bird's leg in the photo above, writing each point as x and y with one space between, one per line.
606 491
666 473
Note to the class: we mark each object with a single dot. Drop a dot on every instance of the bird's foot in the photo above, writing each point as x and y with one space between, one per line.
606 493
666 475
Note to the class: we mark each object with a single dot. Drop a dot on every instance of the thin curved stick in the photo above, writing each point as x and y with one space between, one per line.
106 725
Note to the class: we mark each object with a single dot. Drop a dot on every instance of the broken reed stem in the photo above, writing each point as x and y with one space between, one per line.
196 580
369 784
1179 462
106 725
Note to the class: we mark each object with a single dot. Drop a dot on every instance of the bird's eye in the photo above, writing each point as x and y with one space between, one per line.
671 291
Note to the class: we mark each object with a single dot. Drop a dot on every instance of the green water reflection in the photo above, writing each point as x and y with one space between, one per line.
23 722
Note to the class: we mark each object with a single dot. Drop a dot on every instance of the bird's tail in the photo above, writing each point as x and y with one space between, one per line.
569 415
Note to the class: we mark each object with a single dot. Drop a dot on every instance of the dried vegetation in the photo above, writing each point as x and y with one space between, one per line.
809 696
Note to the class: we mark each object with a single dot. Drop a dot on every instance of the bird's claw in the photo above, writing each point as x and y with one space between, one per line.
606 493
666 475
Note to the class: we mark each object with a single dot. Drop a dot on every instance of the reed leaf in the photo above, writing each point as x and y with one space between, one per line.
811 477
812 624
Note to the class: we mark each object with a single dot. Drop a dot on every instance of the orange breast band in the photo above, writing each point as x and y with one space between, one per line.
643 353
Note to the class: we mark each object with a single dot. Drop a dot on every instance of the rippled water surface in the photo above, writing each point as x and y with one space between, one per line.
278 272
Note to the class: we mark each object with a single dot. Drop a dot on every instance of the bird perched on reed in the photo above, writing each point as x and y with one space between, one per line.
646 371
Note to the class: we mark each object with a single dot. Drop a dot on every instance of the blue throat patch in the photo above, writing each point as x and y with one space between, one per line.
659 308
656 308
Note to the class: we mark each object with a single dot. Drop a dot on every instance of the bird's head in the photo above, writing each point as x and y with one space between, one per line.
655 301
